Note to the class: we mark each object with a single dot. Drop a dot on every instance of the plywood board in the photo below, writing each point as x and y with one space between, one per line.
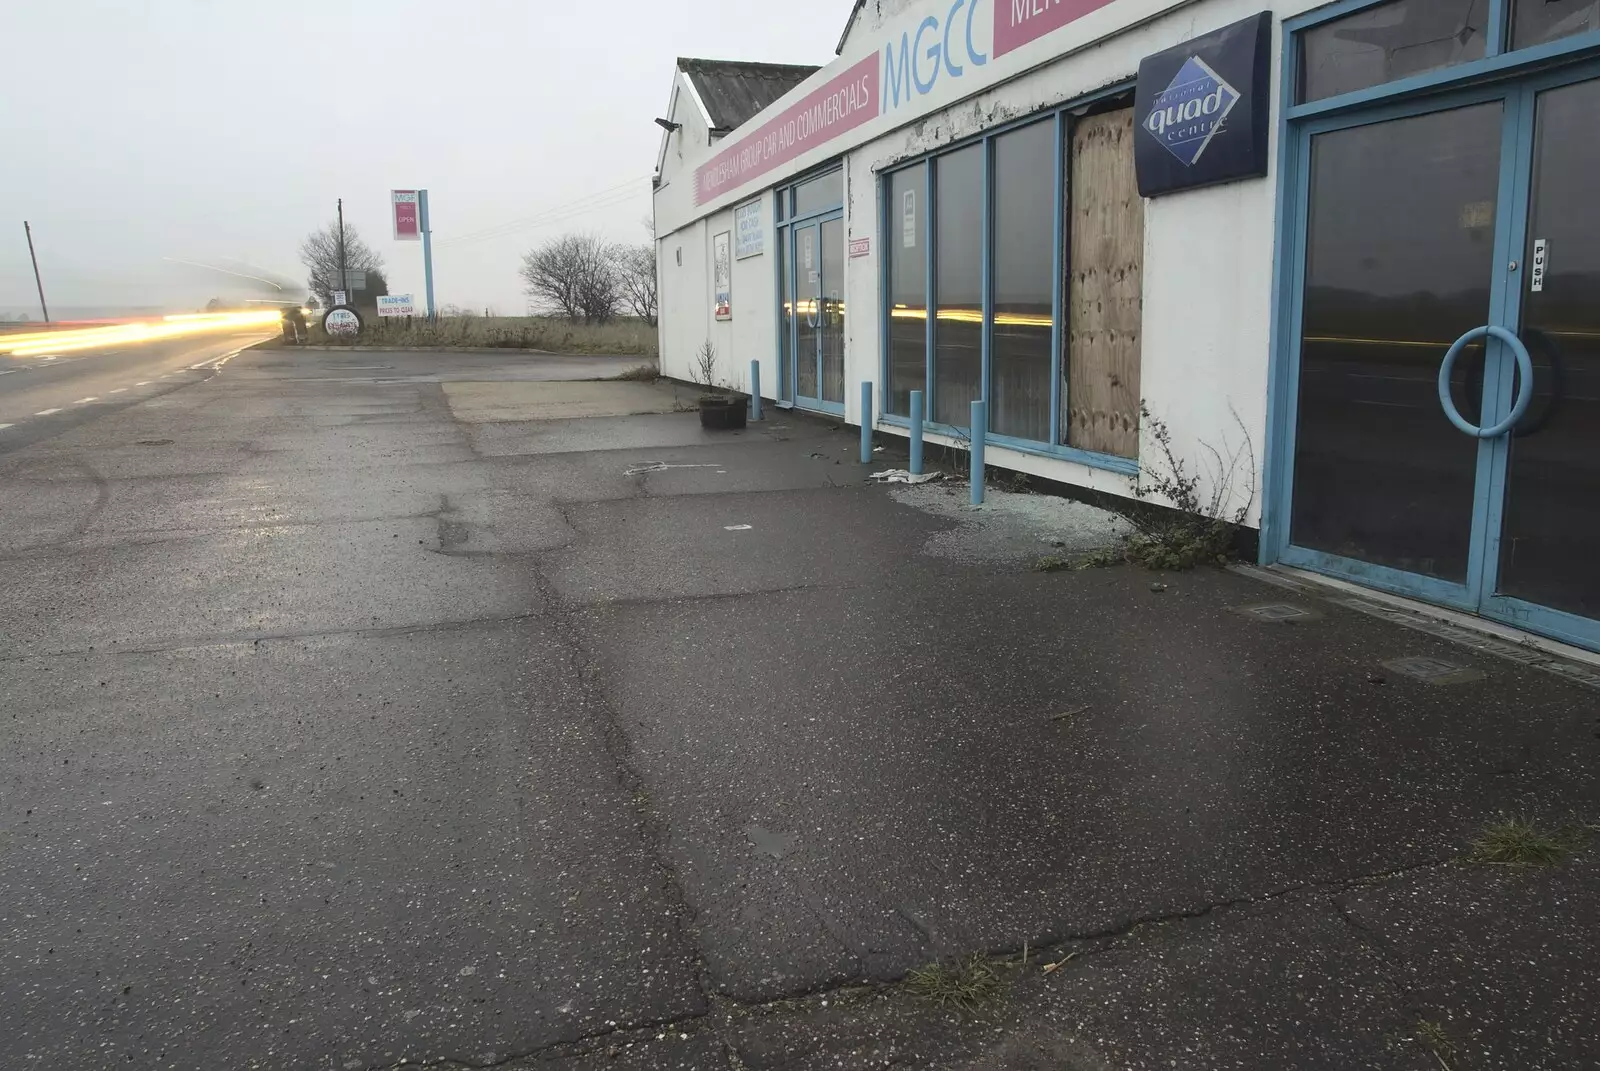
1105 286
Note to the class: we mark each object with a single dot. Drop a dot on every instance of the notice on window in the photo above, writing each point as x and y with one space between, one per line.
722 274
749 230
808 249
908 219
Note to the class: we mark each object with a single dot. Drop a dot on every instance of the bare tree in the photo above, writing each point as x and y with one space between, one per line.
574 275
636 270
320 254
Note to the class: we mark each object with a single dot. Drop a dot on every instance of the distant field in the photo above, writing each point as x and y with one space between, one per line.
625 337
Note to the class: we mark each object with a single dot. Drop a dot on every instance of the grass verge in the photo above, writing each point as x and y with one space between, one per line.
623 337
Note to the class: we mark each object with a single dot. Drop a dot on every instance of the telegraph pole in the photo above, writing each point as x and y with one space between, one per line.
28 229
344 276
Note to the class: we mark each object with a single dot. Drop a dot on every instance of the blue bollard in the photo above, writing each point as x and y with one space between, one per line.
916 433
866 422
980 431
755 390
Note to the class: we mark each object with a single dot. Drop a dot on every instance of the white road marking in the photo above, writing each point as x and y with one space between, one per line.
46 412
3 427
737 527
8 371
53 357
86 401
142 383
119 390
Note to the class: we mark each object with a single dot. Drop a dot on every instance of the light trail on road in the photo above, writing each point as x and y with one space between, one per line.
39 343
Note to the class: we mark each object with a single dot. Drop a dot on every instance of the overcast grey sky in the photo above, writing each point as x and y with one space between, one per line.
211 129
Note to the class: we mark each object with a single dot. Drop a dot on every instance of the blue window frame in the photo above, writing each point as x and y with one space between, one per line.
892 407
1502 72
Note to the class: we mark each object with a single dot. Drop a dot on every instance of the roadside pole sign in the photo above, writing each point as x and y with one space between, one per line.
407 217
340 297
411 225
396 305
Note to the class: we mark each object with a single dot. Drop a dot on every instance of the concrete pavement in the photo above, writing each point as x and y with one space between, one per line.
357 717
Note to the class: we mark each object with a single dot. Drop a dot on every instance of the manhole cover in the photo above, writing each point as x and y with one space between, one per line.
155 442
1279 611
1433 670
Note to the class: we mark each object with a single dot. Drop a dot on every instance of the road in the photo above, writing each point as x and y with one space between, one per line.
43 395
373 710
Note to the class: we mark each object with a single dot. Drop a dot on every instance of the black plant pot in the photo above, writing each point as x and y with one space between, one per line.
723 412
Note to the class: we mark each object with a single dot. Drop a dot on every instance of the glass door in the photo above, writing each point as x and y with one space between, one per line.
1447 417
1403 226
818 316
807 314
1547 574
830 337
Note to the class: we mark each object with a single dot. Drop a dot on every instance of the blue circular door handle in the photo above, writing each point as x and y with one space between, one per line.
1524 387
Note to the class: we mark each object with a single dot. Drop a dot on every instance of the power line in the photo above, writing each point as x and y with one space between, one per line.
621 193
539 216
541 224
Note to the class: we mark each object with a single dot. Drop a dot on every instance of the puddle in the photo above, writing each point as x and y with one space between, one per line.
1010 527
769 843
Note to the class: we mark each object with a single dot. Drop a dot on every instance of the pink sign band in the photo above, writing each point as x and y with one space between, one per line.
843 103
1016 22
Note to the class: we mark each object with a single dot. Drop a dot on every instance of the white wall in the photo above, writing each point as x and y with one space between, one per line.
688 314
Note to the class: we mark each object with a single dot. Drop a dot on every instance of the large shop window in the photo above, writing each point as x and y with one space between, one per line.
1031 257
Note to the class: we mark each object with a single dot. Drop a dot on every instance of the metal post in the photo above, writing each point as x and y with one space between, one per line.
28 229
755 390
916 433
866 421
343 285
980 431
427 250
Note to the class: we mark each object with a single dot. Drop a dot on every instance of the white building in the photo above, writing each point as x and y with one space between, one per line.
1333 195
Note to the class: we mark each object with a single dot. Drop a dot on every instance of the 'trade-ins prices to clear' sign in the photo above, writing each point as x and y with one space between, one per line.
407 223
396 305
950 42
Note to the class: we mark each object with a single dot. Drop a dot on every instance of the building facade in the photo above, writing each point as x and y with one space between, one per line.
1344 256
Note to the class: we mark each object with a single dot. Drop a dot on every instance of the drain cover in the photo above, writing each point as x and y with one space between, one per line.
1279 611
1433 670
155 442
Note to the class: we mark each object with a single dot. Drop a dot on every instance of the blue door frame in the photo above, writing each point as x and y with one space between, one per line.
1516 79
811 225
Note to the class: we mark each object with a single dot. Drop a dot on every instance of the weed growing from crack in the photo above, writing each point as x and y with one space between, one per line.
1054 563
1513 840
644 373
965 983
1199 527
1436 1041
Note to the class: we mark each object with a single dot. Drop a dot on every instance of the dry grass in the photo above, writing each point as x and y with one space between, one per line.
644 373
964 983
1436 1041
1513 840
627 337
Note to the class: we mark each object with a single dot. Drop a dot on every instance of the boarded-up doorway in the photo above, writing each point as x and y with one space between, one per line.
1105 286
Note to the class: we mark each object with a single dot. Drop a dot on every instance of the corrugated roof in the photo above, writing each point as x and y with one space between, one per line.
734 91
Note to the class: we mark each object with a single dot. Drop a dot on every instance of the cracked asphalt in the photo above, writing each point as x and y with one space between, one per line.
367 723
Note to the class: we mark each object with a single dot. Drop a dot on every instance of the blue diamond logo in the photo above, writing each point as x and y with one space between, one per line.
1186 115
